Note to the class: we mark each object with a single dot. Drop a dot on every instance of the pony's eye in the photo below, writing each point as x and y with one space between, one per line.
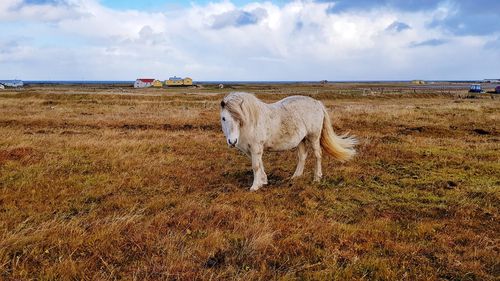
223 118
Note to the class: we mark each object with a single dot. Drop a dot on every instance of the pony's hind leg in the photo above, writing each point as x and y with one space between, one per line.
317 153
302 154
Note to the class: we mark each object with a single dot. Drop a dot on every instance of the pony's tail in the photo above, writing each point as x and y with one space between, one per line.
340 147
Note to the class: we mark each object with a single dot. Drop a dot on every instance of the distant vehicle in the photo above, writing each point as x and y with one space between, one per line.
475 88
497 89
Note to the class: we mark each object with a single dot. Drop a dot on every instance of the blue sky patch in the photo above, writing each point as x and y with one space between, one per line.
397 26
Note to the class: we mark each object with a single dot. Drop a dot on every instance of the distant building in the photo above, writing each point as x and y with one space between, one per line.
491 80
12 83
143 83
177 81
174 81
188 81
157 84
418 82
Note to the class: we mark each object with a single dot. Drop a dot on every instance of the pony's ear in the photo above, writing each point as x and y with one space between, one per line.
222 104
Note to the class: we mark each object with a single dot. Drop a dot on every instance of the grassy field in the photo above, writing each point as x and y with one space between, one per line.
105 183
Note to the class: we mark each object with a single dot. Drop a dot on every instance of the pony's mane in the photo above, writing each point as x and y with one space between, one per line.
243 107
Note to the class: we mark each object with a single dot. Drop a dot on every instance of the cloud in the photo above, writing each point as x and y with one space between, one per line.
8 47
470 17
476 24
397 26
493 45
37 10
430 42
43 2
461 17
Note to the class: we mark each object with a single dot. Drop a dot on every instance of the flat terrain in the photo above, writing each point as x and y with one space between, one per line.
108 182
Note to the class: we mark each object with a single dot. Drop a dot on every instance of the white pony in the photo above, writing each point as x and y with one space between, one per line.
254 126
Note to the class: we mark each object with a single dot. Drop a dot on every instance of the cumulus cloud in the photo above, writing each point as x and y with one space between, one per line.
299 40
463 17
38 10
470 17
8 47
493 44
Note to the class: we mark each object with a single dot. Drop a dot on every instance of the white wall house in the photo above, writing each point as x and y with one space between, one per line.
12 83
143 83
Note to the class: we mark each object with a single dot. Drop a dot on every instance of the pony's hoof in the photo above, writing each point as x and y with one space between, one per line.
254 188
263 182
317 179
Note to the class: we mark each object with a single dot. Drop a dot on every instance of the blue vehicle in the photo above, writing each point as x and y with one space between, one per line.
475 88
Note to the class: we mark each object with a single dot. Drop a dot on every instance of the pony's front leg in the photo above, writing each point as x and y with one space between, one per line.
259 176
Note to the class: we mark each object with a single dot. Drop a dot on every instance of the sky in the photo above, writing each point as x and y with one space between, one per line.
244 40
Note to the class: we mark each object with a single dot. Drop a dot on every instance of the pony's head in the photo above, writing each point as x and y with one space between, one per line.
232 116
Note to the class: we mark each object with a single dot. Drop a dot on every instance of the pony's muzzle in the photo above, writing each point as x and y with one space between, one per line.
232 143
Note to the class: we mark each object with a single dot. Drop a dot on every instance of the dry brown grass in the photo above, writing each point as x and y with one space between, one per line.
119 186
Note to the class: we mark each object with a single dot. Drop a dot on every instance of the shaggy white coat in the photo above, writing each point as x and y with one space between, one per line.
253 126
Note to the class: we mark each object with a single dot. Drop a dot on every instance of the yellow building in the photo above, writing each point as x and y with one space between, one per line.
157 84
174 81
418 82
177 81
188 81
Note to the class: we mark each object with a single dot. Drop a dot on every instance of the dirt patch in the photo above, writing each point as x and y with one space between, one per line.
189 127
427 131
481 132
390 139
80 125
410 130
170 127
50 102
136 127
216 260
16 154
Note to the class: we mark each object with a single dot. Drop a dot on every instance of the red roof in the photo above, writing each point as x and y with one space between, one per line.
146 80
